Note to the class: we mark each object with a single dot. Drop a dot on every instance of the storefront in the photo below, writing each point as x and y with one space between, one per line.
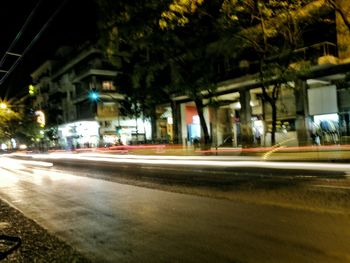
325 129
81 134
323 108
164 124
191 127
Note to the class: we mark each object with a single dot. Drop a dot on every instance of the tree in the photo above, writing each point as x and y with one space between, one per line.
342 10
8 123
272 30
18 121
132 40
168 47
192 26
161 48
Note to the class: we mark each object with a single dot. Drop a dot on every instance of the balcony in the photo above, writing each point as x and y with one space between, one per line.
318 54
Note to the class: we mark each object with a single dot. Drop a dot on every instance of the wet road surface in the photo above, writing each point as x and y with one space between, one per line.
113 222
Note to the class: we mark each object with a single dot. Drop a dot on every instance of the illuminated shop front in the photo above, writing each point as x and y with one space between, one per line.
124 131
191 131
164 124
193 124
323 107
325 129
81 134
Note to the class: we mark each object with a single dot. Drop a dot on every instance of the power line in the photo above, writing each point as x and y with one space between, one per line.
20 56
19 34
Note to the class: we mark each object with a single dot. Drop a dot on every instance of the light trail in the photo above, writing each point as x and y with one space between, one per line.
9 163
198 161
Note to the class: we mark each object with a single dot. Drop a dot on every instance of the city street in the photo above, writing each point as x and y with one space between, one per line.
175 131
113 222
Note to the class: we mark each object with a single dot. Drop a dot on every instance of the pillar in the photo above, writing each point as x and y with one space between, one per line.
245 118
302 120
176 114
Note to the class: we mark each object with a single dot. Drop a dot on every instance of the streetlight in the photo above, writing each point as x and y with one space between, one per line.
3 106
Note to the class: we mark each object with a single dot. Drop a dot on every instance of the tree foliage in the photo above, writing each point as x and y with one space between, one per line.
177 13
8 123
18 122
131 39
342 10
273 31
167 47
160 49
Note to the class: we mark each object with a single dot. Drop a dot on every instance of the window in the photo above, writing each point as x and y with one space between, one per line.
107 85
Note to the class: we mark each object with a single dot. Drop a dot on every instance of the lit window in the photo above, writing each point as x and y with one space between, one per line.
108 85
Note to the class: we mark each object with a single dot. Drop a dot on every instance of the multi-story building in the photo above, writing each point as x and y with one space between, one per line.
318 103
79 97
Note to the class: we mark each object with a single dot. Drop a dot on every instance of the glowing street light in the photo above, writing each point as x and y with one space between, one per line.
3 106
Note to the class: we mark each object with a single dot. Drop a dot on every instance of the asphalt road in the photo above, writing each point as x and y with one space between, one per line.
113 222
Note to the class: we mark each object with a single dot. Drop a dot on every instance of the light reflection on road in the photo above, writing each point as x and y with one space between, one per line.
121 223
7 178
9 167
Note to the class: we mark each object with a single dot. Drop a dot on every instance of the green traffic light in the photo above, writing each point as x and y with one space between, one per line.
93 95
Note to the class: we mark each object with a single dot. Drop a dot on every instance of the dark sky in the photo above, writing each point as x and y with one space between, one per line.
74 24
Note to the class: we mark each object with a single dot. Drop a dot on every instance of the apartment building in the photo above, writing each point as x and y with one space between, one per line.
317 104
78 95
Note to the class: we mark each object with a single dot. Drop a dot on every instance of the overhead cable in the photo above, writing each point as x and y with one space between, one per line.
19 34
20 57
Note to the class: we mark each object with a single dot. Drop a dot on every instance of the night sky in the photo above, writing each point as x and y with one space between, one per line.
74 24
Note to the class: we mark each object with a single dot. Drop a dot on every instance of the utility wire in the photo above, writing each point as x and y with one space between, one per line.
19 58
19 34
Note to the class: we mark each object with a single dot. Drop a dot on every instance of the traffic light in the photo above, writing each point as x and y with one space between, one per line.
93 95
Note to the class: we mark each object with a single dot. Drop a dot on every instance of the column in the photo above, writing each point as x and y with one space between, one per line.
176 114
245 118
302 120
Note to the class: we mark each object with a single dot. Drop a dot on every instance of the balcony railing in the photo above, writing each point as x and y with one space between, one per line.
315 52
320 53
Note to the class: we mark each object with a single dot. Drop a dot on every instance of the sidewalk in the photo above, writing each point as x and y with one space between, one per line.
325 153
37 245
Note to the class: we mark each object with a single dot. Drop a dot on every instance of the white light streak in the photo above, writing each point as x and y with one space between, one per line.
197 161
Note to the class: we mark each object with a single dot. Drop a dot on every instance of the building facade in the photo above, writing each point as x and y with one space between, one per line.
312 110
79 97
